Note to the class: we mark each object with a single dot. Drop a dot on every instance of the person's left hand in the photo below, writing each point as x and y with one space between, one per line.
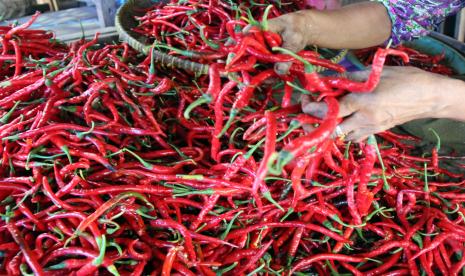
403 94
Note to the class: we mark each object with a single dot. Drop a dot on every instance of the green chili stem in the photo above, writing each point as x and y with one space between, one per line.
7 116
230 224
102 245
210 43
205 98
264 23
228 124
309 68
372 140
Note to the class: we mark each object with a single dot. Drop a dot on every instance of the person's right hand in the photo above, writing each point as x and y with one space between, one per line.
402 95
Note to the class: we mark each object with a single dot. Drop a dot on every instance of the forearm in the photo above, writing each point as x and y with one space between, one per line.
355 26
452 94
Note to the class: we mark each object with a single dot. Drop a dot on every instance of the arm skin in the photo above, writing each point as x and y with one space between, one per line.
454 101
354 26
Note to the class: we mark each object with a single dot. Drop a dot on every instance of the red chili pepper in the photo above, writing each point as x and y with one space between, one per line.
248 65
273 39
253 259
26 251
319 62
20 28
306 262
364 196
19 58
312 227
266 57
246 93
316 137
170 258
218 109
375 75
270 146
243 45
111 125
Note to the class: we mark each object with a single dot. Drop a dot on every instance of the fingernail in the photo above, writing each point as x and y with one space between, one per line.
281 68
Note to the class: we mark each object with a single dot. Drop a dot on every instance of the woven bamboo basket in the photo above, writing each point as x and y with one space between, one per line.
125 22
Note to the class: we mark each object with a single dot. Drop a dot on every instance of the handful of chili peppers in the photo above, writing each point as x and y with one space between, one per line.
112 165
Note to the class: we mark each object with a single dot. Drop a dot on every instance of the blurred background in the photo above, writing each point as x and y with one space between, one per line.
69 19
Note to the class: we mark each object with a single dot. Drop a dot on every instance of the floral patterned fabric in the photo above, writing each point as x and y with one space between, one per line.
414 18
324 4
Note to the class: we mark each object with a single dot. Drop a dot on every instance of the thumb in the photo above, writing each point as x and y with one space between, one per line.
247 28
317 109
360 76
348 105
293 42
276 25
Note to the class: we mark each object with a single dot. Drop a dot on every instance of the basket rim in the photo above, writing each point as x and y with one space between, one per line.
124 22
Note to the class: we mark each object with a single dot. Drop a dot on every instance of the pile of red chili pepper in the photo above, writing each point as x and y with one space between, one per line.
201 30
112 165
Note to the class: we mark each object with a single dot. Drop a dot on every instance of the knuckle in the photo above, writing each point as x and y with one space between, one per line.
377 118
350 100
277 25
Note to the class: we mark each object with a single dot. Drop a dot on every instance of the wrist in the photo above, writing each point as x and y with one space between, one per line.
311 21
451 99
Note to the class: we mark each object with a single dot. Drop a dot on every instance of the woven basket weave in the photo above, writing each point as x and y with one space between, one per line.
125 22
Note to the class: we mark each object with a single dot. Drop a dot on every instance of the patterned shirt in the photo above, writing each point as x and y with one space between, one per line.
414 18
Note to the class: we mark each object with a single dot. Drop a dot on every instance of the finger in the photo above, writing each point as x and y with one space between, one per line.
361 134
318 110
338 132
304 100
349 104
308 128
357 136
247 28
293 42
352 124
282 68
276 25
362 75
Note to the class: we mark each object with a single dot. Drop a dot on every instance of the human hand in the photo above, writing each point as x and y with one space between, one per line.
342 28
403 94
296 31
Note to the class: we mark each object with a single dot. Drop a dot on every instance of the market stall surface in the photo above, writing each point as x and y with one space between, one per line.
67 24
